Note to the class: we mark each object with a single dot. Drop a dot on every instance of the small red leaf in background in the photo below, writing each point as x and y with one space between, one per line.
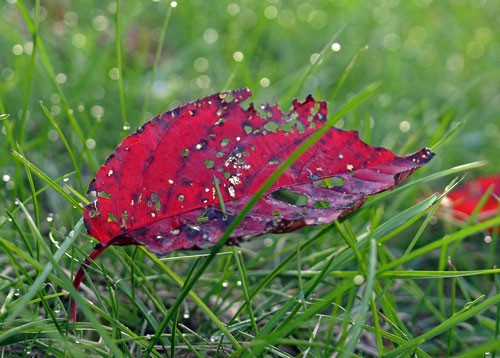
463 199
160 186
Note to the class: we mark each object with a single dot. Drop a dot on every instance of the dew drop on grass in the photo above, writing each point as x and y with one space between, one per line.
186 315
487 239
90 143
225 284
238 56
17 293
126 126
50 217
61 78
210 36
336 47
358 280
238 283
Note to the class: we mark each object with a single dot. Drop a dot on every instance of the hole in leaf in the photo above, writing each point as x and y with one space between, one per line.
93 212
248 129
180 198
322 204
185 152
112 218
154 201
300 127
329 182
219 154
209 163
224 142
271 126
103 194
290 197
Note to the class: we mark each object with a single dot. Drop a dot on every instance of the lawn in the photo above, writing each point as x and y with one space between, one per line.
398 277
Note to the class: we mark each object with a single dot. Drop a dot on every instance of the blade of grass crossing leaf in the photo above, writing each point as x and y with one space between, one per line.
219 196
264 188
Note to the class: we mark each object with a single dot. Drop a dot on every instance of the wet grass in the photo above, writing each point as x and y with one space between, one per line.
394 278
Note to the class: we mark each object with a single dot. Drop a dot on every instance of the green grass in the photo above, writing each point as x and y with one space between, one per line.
393 279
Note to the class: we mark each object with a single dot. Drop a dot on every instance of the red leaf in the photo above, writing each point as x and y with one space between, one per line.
465 198
158 187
